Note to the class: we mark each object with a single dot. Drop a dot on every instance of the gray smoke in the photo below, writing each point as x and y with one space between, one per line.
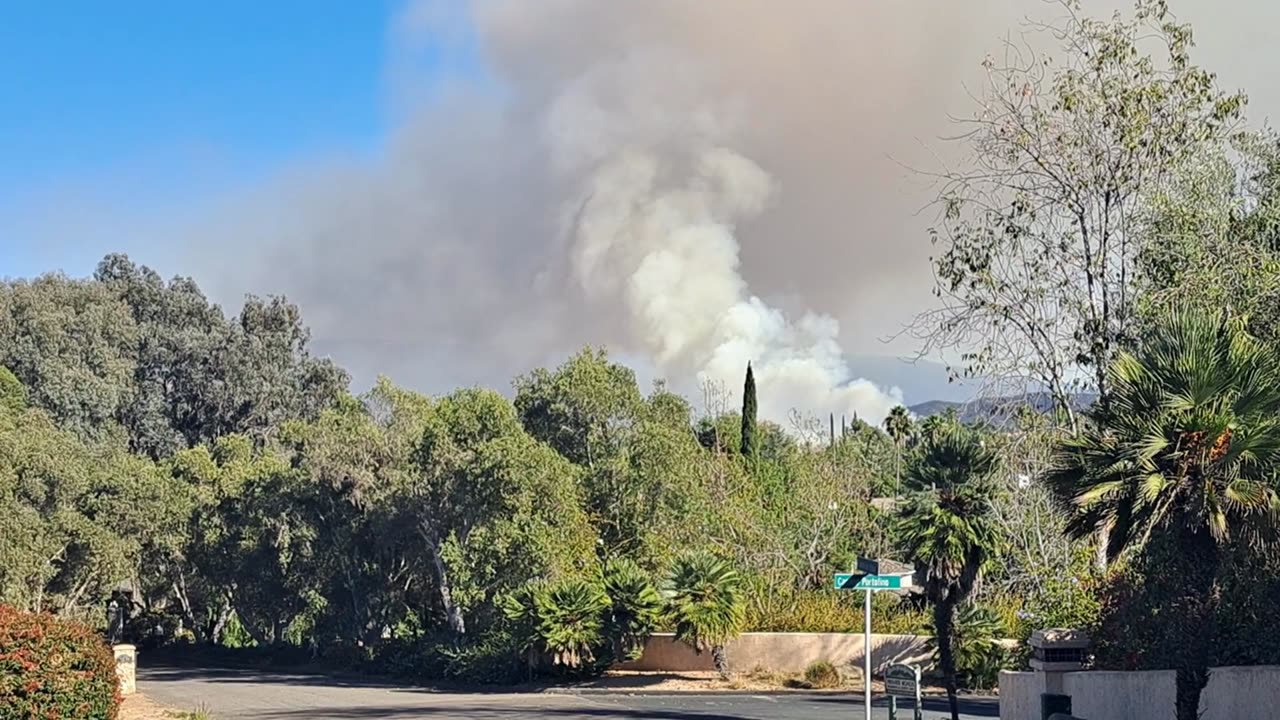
693 184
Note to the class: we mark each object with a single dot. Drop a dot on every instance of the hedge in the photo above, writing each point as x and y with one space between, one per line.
54 669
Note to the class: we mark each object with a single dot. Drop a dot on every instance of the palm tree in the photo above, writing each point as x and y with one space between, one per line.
947 529
563 621
898 425
635 607
704 600
1184 453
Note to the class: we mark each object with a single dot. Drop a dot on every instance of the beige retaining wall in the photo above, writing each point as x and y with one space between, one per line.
1233 693
784 652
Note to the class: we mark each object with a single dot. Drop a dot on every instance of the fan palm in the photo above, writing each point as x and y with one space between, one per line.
564 621
704 601
1185 451
898 426
947 529
635 607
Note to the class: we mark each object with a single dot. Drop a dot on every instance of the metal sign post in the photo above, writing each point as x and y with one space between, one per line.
866 654
873 576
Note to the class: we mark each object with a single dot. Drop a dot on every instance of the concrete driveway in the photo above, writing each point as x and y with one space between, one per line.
240 693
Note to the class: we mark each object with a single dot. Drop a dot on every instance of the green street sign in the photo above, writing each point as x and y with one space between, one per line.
859 581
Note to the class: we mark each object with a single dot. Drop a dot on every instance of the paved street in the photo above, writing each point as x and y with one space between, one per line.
276 695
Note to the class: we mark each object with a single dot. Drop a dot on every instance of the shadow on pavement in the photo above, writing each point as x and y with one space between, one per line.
629 682
491 713
173 672
979 707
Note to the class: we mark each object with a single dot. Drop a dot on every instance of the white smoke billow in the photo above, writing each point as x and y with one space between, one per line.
694 185
668 251
654 231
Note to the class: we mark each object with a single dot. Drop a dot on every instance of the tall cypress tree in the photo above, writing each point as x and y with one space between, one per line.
749 415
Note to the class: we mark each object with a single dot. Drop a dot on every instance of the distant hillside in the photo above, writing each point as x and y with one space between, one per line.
916 378
997 410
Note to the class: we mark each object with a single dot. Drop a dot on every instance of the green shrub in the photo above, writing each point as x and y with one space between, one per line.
979 654
806 611
891 615
201 712
822 674
838 611
54 669
13 396
492 659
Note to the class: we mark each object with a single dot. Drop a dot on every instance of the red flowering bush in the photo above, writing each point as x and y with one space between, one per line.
53 669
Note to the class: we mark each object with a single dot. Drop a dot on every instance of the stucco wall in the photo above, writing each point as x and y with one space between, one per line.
1020 695
784 652
1242 693
1233 693
1128 695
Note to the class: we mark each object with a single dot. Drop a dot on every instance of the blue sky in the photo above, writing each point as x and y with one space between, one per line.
108 109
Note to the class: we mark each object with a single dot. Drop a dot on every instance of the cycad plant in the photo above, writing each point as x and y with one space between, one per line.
635 607
705 605
947 529
976 645
563 622
1184 453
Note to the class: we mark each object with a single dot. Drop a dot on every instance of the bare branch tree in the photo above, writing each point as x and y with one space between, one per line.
1039 234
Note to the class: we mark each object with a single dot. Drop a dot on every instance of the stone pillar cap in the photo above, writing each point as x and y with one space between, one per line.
1066 638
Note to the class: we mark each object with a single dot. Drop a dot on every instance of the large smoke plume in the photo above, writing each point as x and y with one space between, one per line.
693 184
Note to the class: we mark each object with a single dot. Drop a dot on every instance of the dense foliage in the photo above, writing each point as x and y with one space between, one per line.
54 669
1183 456
386 527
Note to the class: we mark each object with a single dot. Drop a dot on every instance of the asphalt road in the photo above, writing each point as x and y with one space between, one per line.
238 693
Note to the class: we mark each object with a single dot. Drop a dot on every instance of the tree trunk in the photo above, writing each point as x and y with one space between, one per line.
255 634
1198 615
1103 536
451 610
188 614
220 624
721 659
943 624
897 471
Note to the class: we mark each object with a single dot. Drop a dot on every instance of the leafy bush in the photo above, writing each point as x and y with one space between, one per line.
892 615
822 674
802 611
54 669
492 659
635 608
13 396
1246 615
774 610
979 654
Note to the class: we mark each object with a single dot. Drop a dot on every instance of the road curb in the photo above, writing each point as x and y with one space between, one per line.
698 693
855 694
